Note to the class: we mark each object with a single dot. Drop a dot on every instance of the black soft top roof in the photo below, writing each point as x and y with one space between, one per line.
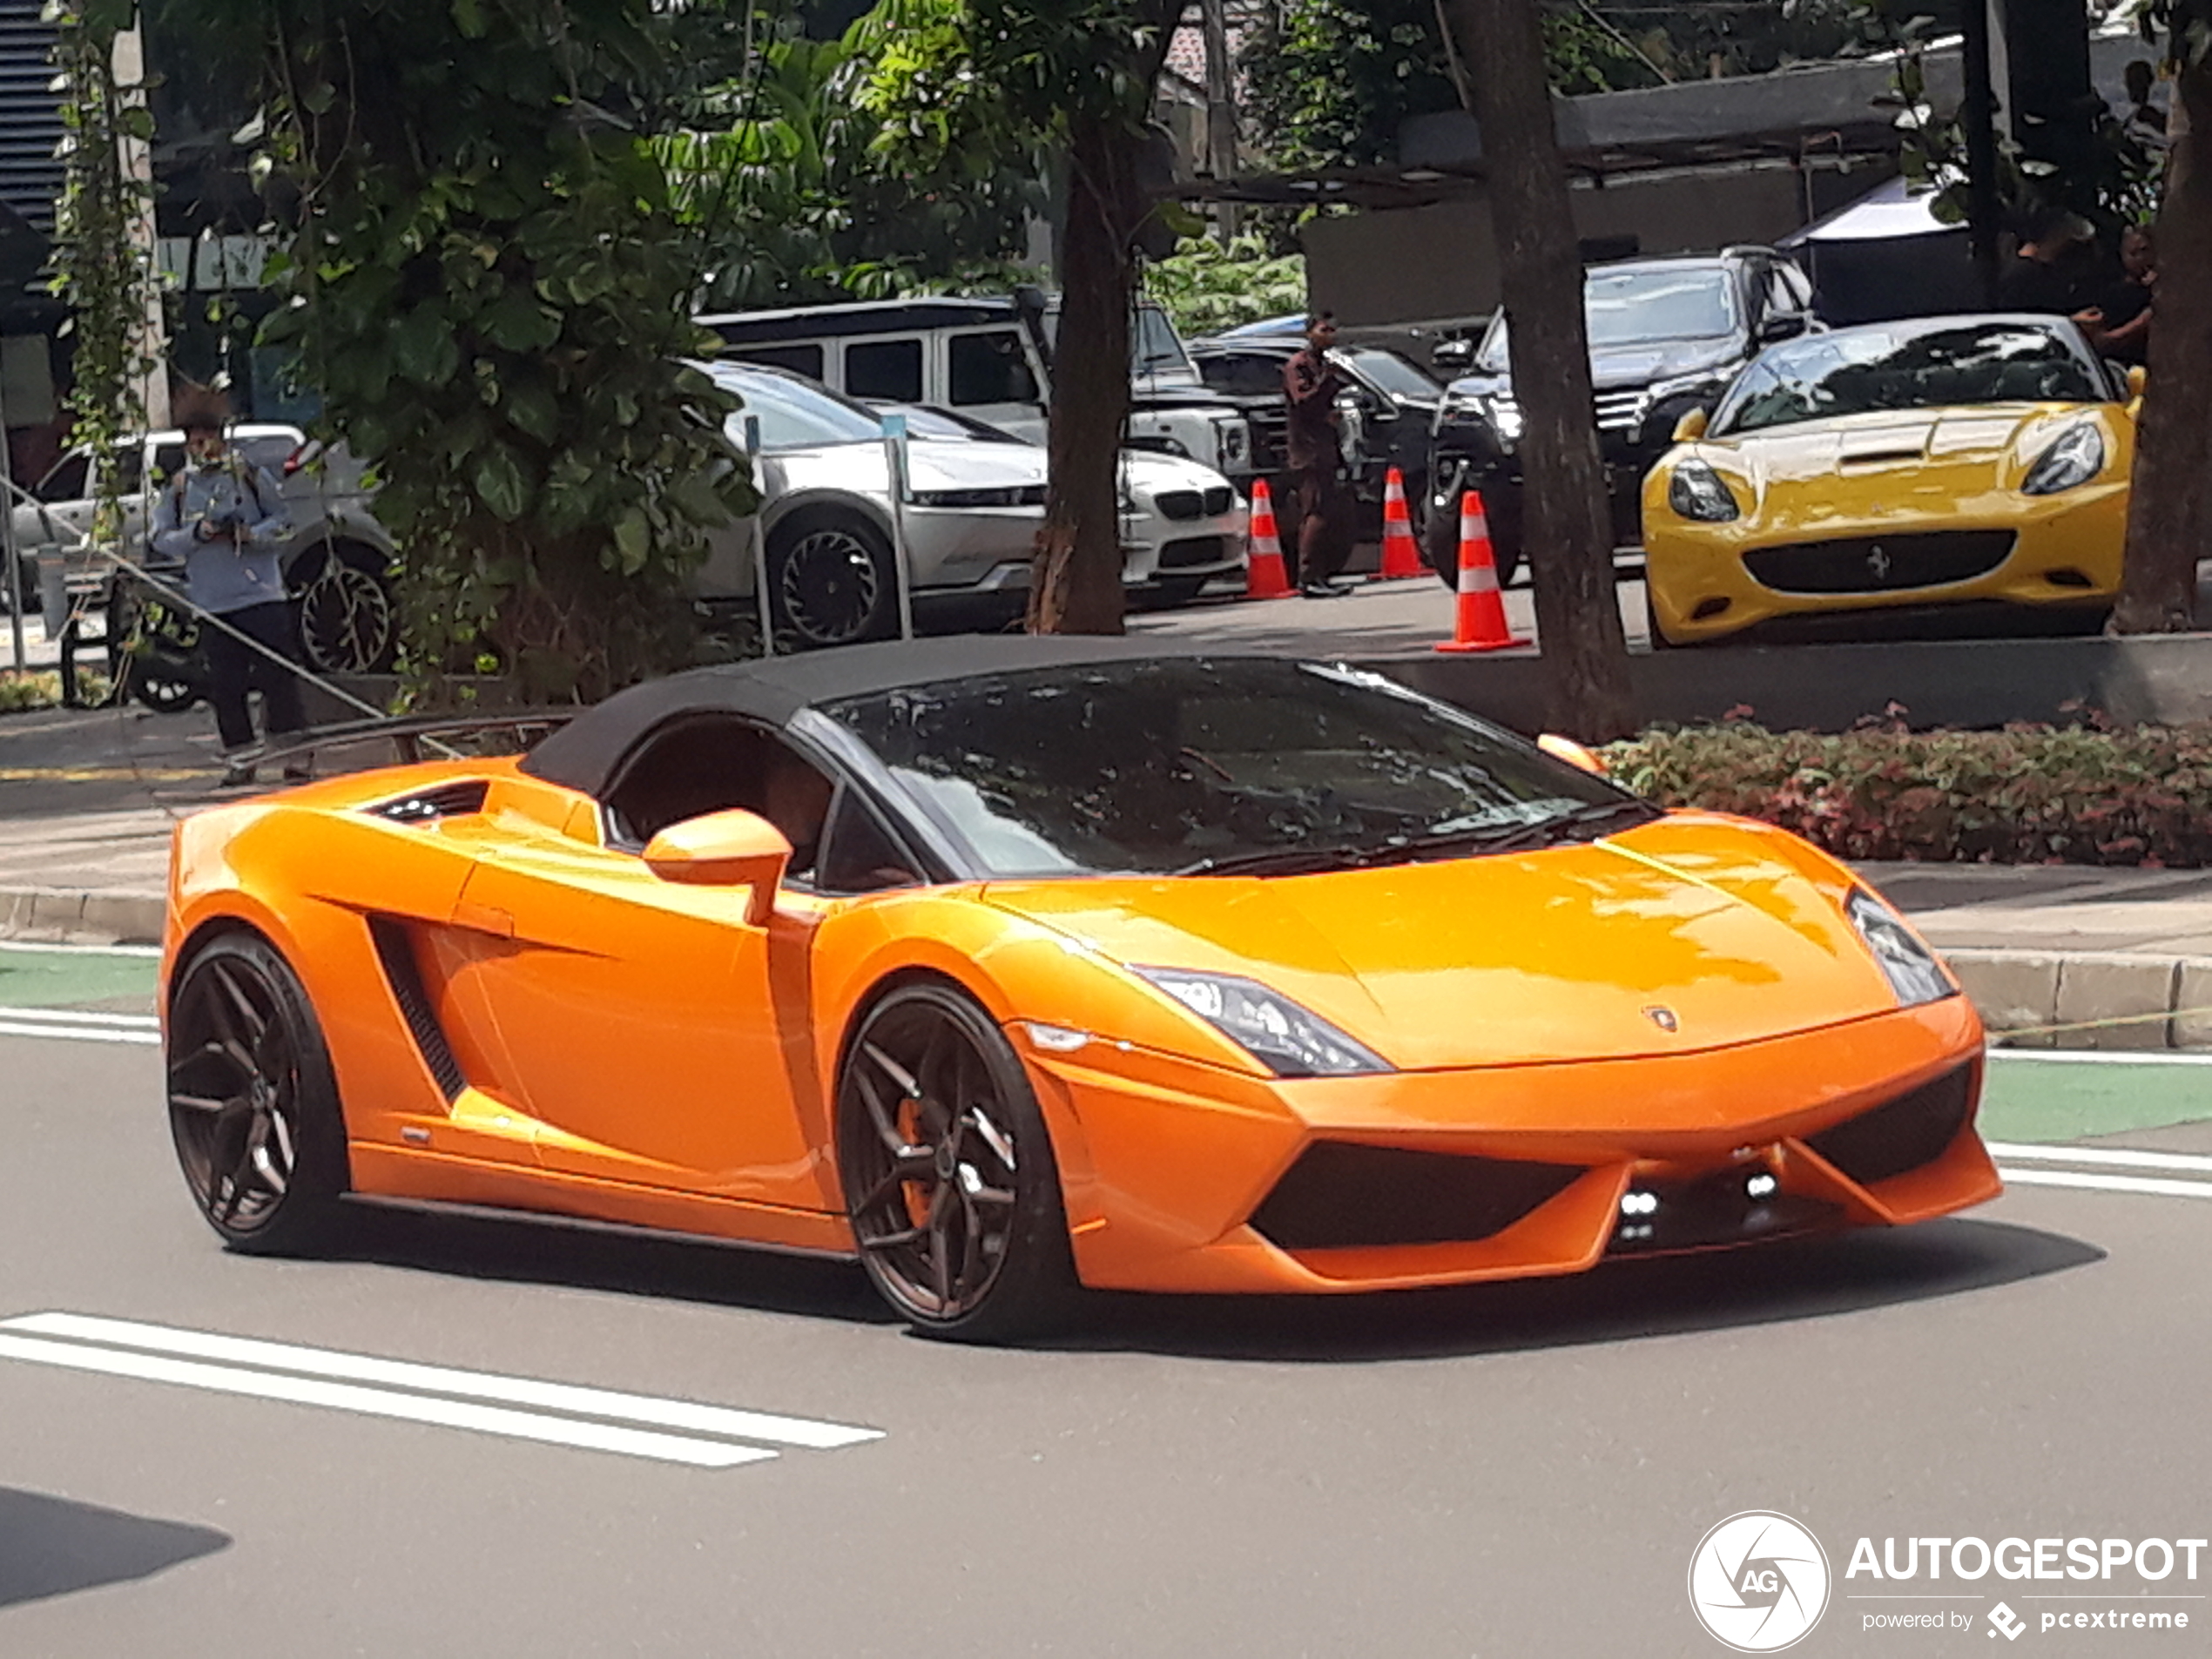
585 754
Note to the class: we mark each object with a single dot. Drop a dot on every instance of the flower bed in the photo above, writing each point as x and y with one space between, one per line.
2025 795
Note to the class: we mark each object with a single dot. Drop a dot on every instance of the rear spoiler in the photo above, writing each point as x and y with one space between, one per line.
425 737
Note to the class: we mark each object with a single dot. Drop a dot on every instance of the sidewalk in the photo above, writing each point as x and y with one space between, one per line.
2036 947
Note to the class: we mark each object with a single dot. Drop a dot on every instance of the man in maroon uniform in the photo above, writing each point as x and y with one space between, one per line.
1311 383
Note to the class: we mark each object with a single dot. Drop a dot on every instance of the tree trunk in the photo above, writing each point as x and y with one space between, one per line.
2167 521
1075 587
1568 516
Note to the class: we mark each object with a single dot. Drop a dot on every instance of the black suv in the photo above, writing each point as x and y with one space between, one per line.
1666 337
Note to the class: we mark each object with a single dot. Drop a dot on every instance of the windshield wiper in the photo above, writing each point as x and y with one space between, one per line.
1278 860
1548 831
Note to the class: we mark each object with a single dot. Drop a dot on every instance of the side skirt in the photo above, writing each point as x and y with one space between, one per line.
391 1177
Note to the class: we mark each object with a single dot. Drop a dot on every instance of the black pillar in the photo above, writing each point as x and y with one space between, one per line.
2054 107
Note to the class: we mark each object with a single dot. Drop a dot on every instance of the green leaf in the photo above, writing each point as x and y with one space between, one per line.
517 322
424 346
500 484
532 408
469 18
633 540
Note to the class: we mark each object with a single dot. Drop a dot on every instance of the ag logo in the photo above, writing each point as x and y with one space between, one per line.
1758 1582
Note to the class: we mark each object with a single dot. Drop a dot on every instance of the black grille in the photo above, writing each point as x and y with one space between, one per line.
1343 1197
1179 503
1192 551
446 800
1879 563
1219 500
396 952
1909 1131
1271 430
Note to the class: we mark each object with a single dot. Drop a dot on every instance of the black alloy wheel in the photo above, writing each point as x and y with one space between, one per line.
252 1103
348 623
949 1174
831 581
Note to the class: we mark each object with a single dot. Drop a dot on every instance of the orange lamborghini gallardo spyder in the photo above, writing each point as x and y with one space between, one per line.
1009 966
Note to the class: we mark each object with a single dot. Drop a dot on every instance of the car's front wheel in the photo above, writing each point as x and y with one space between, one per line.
253 1101
832 580
949 1174
347 621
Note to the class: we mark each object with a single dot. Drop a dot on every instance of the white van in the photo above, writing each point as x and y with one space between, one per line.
990 359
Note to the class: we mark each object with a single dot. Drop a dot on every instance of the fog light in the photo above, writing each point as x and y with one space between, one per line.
1640 1203
1762 1185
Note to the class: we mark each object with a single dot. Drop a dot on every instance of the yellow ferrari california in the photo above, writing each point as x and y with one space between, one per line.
1936 462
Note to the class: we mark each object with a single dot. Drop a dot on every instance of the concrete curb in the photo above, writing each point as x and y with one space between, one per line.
2166 1001
61 915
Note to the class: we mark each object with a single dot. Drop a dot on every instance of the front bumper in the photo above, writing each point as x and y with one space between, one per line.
1179 1177
2066 550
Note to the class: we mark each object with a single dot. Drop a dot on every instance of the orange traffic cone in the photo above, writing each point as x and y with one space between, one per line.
1480 622
1264 576
1401 554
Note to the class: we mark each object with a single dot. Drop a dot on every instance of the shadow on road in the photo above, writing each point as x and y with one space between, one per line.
688 1269
1616 1302
54 1546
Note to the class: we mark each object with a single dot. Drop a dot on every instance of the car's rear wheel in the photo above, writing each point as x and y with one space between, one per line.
949 1178
347 621
832 580
253 1102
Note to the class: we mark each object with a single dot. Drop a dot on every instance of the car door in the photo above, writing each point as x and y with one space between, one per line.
988 376
657 1038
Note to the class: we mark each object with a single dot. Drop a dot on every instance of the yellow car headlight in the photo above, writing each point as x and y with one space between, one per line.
1696 491
2075 457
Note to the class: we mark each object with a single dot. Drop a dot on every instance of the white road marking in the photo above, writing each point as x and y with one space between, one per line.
2108 1182
2101 1056
468 1384
84 1016
79 1032
2118 1157
153 951
378 1402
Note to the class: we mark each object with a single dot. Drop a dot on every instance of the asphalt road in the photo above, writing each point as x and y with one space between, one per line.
1512 1471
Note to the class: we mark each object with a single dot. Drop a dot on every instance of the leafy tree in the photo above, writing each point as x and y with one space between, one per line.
2169 525
486 278
1541 275
1205 288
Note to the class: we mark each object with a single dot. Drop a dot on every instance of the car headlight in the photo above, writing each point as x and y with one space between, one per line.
1502 414
1232 441
1287 1039
1696 491
2077 457
1911 967
1012 495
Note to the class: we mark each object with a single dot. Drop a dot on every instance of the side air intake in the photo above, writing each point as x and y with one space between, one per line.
1902 1134
455 799
1339 1196
395 952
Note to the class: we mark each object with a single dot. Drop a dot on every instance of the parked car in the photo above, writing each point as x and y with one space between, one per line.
1391 409
1666 336
970 521
1182 524
990 358
336 563
1945 460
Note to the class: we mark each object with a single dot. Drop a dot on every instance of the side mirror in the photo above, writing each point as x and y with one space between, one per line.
1692 426
1572 753
2138 378
1454 355
1781 325
731 849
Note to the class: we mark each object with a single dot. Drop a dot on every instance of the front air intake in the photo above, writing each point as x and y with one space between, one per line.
1907 1132
1339 1196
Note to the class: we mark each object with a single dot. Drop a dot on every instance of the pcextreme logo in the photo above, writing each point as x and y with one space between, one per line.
1758 1582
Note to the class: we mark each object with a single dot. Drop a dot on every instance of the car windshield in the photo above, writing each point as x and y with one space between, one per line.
1175 764
925 421
1863 371
1397 376
1639 308
795 414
